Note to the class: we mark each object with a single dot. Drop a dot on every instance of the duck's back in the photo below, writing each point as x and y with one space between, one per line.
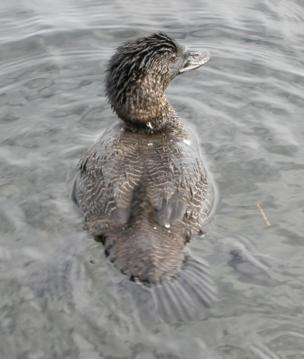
146 195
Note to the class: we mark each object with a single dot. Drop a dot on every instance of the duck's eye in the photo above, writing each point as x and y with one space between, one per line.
173 57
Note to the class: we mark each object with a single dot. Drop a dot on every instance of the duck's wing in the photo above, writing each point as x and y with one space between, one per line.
108 174
177 184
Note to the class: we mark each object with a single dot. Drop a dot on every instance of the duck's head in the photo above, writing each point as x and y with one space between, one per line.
139 72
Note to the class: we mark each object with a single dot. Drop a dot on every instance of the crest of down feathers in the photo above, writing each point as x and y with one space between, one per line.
133 60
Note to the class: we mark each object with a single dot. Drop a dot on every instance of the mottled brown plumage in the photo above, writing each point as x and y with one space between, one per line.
143 186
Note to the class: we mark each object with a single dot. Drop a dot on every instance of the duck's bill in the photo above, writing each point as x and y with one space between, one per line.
194 59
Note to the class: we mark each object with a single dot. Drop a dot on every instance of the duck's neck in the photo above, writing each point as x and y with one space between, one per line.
142 103
149 115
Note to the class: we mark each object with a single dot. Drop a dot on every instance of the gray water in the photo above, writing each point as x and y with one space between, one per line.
59 295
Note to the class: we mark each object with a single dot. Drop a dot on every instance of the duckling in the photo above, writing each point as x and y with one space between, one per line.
142 187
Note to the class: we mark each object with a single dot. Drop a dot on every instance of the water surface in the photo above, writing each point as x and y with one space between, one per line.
60 298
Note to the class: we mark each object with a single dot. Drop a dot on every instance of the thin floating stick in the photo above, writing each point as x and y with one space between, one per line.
263 214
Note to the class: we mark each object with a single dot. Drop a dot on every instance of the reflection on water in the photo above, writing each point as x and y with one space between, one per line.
60 297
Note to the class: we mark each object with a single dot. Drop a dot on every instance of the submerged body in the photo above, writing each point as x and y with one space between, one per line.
143 188
146 194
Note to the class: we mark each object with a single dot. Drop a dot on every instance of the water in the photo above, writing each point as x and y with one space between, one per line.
60 298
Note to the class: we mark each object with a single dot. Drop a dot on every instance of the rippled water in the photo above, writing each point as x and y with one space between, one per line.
60 297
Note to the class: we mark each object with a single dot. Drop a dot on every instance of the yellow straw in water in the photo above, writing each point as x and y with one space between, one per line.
263 214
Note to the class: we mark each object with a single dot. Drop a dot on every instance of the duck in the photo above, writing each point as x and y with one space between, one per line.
143 188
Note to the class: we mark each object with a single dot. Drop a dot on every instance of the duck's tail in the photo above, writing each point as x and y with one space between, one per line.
155 258
188 295
185 297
